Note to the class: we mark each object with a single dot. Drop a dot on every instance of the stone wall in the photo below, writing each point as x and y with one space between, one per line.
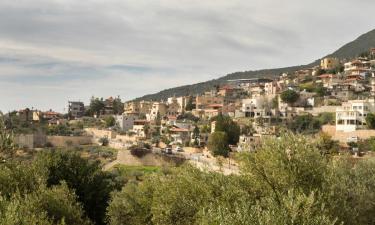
64 141
30 140
344 137
96 133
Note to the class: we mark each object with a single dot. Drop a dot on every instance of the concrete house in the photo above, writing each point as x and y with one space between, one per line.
76 109
126 122
352 114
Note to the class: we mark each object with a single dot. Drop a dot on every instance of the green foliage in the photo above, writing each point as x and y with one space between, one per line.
7 145
110 121
189 105
309 87
118 106
247 129
25 198
91 185
289 96
64 130
188 116
104 141
305 124
227 125
96 106
326 145
320 91
367 144
370 120
46 206
218 144
326 118
275 102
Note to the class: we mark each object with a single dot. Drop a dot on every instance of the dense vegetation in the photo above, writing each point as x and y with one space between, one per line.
288 181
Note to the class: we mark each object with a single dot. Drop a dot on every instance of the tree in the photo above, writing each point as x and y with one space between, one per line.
227 125
104 141
188 116
305 124
110 121
370 120
247 130
289 96
118 106
218 144
7 145
146 129
327 145
189 105
25 198
96 106
196 135
320 91
91 185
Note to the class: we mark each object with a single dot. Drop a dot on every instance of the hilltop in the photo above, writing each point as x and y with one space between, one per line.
349 50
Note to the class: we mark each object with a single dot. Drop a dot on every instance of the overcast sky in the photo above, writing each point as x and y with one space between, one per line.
52 51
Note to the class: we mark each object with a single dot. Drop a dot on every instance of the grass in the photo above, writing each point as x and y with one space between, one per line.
143 169
134 173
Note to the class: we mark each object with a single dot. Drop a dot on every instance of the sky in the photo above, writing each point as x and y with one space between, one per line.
53 51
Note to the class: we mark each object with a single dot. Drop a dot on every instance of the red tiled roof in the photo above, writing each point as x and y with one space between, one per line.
327 75
352 79
216 105
176 129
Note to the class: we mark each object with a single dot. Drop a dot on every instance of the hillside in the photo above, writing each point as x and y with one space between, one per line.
350 50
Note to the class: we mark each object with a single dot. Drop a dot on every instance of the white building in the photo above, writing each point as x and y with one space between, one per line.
256 107
125 122
352 114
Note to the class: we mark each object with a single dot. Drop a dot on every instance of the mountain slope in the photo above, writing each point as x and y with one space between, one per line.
350 50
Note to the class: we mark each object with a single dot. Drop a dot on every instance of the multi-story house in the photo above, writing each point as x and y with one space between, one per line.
181 101
256 107
108 106
174 109
158 109
137 108
352 114
272 88
139 128
329 63
342 91
25 115
76 109
132 107
358 68
209 102
328 80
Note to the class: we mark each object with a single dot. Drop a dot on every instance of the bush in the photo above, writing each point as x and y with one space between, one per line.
218 144
139 151
289 96
104 141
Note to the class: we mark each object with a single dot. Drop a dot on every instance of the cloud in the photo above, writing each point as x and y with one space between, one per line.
55 50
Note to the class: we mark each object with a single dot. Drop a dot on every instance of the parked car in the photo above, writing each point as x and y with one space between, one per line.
168 151
179 149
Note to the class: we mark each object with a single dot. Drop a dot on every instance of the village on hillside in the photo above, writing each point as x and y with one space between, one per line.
334 101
